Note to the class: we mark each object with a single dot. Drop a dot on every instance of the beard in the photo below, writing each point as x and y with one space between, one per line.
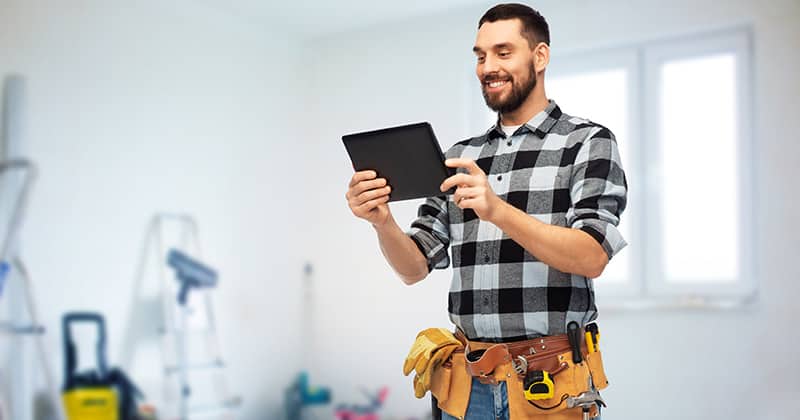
520 89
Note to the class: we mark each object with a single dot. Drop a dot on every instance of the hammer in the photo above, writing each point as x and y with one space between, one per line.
585 400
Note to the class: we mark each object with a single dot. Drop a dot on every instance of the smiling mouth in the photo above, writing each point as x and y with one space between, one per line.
495 84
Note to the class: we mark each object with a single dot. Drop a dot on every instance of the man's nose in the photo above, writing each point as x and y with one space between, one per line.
489 65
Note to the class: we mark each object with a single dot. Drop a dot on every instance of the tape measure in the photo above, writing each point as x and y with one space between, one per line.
538 385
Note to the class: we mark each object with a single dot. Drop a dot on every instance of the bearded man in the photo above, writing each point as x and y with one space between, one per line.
531 225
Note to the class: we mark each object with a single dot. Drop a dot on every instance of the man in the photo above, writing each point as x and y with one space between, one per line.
533 217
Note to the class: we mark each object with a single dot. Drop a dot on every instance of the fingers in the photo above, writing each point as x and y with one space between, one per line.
467 164
364 188
456 180
362 176
358 188
475 173
463 195
371 204
365 193
371 195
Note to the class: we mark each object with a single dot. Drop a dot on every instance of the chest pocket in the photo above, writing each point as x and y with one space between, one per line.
543 179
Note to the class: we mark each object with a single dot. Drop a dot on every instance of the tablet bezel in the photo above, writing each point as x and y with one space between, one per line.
405 185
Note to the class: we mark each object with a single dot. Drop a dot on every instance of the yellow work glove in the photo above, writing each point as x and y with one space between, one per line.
419 386
426 344
422 380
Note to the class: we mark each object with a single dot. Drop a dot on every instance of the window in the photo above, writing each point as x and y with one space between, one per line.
605 94
680 110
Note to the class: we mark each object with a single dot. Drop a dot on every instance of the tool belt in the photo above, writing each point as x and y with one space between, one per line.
515 363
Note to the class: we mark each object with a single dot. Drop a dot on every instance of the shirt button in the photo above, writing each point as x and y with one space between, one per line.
486 258
499 177
509 143
486 301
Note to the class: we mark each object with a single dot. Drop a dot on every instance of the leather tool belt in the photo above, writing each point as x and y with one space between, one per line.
540 353
492 363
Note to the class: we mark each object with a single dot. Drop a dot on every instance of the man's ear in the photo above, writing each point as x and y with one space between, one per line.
541 57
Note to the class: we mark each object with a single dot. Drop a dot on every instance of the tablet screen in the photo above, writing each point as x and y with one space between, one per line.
409 157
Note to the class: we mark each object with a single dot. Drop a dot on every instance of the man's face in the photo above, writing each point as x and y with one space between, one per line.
505 65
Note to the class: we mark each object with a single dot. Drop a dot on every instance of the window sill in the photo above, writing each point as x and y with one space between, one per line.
610 304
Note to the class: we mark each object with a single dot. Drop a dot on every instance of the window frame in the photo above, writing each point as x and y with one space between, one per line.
737 42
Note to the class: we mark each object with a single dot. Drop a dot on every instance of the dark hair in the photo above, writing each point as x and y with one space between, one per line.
534 27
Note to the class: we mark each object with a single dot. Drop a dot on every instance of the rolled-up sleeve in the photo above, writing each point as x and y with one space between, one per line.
431 232
599 191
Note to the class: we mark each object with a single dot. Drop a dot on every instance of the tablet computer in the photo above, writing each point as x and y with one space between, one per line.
409 157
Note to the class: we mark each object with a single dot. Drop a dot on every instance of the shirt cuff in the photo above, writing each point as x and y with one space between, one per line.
433 249
605 233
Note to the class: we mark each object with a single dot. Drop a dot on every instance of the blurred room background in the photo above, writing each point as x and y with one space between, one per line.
232 112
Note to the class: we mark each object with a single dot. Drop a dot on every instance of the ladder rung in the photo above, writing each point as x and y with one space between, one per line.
229 404
11 328
217 364
191 331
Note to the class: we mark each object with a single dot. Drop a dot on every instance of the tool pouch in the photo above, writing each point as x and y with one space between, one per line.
595 362
482 363
570 380
451 385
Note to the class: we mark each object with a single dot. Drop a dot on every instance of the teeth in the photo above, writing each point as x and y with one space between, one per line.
496 84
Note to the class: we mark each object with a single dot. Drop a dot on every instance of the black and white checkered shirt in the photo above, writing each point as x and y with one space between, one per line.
562 170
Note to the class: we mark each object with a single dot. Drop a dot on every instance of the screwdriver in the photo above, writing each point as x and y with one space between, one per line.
592 338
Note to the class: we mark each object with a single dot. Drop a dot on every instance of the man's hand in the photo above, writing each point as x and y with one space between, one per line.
473 190
367 196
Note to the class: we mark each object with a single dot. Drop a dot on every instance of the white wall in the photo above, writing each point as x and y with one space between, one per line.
142 107
137 107
689 364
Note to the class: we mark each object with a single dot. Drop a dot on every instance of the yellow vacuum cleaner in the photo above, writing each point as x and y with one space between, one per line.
99 394
87 395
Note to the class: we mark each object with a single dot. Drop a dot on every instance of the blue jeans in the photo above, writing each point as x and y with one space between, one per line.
485 402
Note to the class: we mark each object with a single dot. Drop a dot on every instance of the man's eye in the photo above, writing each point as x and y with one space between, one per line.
481 59
504 54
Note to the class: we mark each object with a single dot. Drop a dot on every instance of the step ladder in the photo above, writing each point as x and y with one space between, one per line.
195 382
17 303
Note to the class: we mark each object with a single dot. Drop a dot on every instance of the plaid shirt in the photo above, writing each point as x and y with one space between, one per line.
564 171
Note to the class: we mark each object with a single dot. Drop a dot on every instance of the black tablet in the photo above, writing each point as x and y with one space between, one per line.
409 157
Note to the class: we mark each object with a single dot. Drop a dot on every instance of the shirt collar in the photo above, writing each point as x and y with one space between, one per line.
539 125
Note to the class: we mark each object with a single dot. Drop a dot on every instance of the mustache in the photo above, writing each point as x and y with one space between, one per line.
493 77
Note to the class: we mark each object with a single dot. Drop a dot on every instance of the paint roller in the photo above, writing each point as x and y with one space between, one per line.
190 273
